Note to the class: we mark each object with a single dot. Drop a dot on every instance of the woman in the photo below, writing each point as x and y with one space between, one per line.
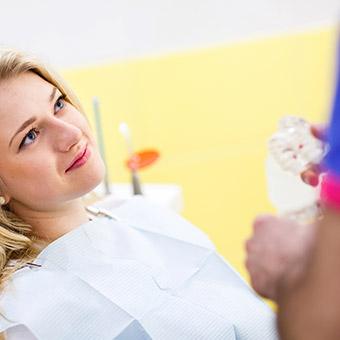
142 273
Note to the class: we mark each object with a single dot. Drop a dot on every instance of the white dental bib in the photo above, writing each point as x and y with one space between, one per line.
147 275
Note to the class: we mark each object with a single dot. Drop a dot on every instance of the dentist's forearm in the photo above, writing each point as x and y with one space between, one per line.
310 307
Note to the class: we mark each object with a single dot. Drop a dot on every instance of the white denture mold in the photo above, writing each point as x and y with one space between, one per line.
291 150
294 147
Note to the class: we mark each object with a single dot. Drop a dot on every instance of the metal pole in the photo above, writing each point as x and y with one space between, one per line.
101 142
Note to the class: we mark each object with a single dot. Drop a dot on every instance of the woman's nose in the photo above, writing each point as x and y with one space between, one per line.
66 135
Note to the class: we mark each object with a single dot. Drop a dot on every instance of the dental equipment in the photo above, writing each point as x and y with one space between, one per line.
142 159
125 131
101 142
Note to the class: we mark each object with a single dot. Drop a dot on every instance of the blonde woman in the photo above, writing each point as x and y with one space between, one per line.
140 272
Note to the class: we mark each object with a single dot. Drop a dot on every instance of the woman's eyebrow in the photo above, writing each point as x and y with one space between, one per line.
23 127
32 119
53 93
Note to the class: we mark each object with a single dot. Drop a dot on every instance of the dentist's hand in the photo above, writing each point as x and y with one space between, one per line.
311 175
277 253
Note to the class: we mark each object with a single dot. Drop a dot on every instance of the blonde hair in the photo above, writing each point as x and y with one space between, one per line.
18 245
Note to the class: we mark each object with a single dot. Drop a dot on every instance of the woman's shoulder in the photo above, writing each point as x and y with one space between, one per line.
44 299
25 290
31 279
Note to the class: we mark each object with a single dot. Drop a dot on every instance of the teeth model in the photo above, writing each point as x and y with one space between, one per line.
294 147
291 150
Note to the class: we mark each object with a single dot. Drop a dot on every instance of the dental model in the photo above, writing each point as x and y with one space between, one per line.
294 147
291 150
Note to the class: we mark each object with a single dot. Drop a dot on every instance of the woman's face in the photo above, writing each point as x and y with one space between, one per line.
40 137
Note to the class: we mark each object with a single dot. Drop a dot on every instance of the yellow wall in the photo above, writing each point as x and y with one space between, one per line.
210 112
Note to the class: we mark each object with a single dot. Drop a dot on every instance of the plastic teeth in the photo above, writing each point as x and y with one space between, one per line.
292 122
294 147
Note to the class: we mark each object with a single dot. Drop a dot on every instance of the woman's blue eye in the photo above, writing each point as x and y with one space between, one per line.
29 138
59 104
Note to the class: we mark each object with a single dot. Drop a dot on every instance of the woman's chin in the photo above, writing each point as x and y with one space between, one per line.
95 178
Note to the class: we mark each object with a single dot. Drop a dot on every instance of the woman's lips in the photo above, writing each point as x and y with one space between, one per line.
80 160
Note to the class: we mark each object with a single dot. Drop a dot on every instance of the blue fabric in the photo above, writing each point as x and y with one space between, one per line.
332 159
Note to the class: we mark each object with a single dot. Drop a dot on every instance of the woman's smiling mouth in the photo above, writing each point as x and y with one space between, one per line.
80 159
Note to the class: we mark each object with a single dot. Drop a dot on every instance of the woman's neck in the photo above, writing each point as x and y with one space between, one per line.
48 225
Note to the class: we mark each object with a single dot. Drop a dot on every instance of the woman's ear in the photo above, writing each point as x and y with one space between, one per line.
4 196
